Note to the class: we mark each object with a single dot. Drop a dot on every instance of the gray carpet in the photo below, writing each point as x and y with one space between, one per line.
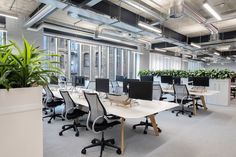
211 133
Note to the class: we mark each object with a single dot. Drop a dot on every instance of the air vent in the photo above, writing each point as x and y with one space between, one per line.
176 11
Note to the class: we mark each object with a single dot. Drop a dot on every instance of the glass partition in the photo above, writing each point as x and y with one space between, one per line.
94 62
85 60
104 55
112 63
75 58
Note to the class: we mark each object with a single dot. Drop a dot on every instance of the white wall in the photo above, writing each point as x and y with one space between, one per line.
16 29
230 66
144 58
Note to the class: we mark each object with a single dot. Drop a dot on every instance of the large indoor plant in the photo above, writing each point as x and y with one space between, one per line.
22 72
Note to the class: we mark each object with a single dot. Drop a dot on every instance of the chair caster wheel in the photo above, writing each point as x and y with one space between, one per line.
112 141
83 151
62 119
93 141
173 111
60 134
118 151
191 113
134 127
63 127
159 130
144 132
49 122
77 134
190 116
86 129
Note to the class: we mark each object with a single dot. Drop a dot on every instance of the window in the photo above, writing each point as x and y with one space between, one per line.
86 59
96 59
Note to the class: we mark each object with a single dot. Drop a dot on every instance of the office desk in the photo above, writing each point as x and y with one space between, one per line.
193 94
140 109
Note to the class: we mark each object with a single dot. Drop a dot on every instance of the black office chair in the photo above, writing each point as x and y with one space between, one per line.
71 112
51 102
196 104
182 97
159 96
98 120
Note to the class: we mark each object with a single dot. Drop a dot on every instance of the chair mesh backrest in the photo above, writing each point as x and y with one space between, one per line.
49 94
181 91
69 103
96 108
157 92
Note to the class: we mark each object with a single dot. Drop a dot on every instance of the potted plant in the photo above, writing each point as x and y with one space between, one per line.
22 72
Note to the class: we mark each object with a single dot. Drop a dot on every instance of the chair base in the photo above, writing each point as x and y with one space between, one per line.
102 143
72 126
197 106
146 124
53 116
183 111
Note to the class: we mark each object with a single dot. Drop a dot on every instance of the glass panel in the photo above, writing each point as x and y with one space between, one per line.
95 62
50 47
131 66
75 58
104 62
137 61
63 52
85 59
125 63
1 38
112 63
119 62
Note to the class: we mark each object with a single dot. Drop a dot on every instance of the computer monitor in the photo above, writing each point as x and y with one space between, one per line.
54 80
146 78
102 85
201 81
141 90
176 80
190 80
167 79
119 78
78 81
126 82
233 79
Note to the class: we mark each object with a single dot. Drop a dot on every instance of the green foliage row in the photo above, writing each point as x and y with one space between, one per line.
211 73
24 67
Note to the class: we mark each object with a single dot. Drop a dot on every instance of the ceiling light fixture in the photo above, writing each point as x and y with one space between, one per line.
149 27
8 15
228 58
161 50
115 40
217 53
143 40
195 45
211 11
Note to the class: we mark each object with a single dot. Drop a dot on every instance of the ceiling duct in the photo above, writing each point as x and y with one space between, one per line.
176 11
201 20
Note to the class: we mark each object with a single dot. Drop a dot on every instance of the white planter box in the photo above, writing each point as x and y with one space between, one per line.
223 97
21 132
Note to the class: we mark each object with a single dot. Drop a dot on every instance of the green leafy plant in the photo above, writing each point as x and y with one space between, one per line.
211 73
25 67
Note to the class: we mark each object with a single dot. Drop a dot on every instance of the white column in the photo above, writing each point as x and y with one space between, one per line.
108 50
99 60
69 59
80 59
115 60
90 62
122 62
128 75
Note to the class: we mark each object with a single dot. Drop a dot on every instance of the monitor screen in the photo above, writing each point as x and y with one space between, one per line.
167 79
78 81
190 81
102 85
201 81
146 78
126 82
176 80
119 78
233 79
141 90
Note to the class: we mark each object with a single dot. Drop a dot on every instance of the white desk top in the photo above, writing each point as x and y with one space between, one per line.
137 110
205 93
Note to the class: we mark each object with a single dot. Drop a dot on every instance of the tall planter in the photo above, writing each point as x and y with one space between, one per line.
21 133
223 97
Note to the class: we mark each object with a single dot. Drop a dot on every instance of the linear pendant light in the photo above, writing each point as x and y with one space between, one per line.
8 15
161 50
195 45
115 40
211 11
149 27
217 53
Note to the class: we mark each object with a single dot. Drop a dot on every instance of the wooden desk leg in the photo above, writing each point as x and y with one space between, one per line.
122 136
204 103
194 107
154 124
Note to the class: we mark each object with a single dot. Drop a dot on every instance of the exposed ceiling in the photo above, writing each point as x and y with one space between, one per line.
178 31
19 7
